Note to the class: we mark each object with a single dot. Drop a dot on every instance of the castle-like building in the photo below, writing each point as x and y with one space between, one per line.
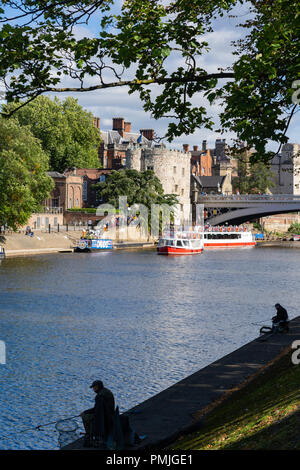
286 170
172 167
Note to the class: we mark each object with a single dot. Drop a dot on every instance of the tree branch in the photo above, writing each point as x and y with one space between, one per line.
151 81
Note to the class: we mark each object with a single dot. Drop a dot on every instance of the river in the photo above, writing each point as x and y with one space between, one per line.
138 321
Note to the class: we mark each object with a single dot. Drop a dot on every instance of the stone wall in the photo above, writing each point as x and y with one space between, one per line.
280 222
286 170
172 167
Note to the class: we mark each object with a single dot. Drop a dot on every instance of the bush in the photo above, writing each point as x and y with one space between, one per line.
294 228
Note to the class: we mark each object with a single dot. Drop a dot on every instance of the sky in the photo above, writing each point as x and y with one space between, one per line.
116 102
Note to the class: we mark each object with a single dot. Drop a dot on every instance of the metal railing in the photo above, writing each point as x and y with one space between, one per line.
251 197
50 210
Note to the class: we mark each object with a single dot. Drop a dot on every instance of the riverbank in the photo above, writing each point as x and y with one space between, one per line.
18 244
178 409
263 414
278 244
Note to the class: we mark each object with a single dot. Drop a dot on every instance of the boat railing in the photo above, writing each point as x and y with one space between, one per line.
225 228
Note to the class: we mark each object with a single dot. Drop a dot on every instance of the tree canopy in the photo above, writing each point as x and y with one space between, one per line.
39 52
253 178
65 130
24 183
140 187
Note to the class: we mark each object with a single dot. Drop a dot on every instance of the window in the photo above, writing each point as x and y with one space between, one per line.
176 188
102 178
174 170
179 243
182 192
84 192
55 221
183 171
54 202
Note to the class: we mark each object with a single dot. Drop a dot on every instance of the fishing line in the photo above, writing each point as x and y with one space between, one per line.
38 427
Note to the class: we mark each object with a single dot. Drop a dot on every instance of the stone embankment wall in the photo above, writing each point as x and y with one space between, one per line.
19 244
280 222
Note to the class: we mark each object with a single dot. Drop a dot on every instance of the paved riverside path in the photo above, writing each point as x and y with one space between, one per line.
170 411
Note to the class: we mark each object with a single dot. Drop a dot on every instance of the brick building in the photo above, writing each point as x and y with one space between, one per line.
90 176
201 160
67 193
112 151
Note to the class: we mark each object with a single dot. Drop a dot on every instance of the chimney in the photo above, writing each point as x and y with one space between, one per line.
148 133
195 148
118 125
204 145
186 147
127 126
96 122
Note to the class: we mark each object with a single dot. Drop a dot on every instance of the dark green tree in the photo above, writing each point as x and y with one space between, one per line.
24 183
38 48
139 188
65 130
253 177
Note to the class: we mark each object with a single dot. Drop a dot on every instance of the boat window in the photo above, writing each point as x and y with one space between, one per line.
185 243
179 243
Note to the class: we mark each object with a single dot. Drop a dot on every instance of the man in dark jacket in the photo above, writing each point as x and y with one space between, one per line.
281 316
98 421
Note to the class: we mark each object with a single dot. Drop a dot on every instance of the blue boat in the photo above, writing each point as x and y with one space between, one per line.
87 245
2 252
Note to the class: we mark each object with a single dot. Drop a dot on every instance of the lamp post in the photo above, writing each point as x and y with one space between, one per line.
195 193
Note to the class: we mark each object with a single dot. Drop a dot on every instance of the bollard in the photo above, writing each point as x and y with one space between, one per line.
57 227
49 228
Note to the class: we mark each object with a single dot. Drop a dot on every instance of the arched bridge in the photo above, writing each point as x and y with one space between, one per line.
236 209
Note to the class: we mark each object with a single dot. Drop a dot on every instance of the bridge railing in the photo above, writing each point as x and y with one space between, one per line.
250 197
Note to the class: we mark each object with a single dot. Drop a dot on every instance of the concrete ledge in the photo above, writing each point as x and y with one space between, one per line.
39 251
278 244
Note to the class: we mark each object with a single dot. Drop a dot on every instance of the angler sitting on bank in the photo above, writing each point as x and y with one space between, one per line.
98 421
281 317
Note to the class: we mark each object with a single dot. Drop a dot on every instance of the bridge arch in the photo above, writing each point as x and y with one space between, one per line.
240 209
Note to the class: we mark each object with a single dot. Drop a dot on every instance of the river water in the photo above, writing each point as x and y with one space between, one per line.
138 321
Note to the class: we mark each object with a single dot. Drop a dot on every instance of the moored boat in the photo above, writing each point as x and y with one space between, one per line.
228 237
88 245
2 252
180 243
93 241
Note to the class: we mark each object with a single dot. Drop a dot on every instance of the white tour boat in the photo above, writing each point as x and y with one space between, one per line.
180 243
228 237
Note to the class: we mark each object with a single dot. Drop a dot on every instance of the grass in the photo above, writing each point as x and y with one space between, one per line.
263 414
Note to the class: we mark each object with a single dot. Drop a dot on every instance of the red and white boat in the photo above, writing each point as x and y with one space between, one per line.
180 243
228 237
